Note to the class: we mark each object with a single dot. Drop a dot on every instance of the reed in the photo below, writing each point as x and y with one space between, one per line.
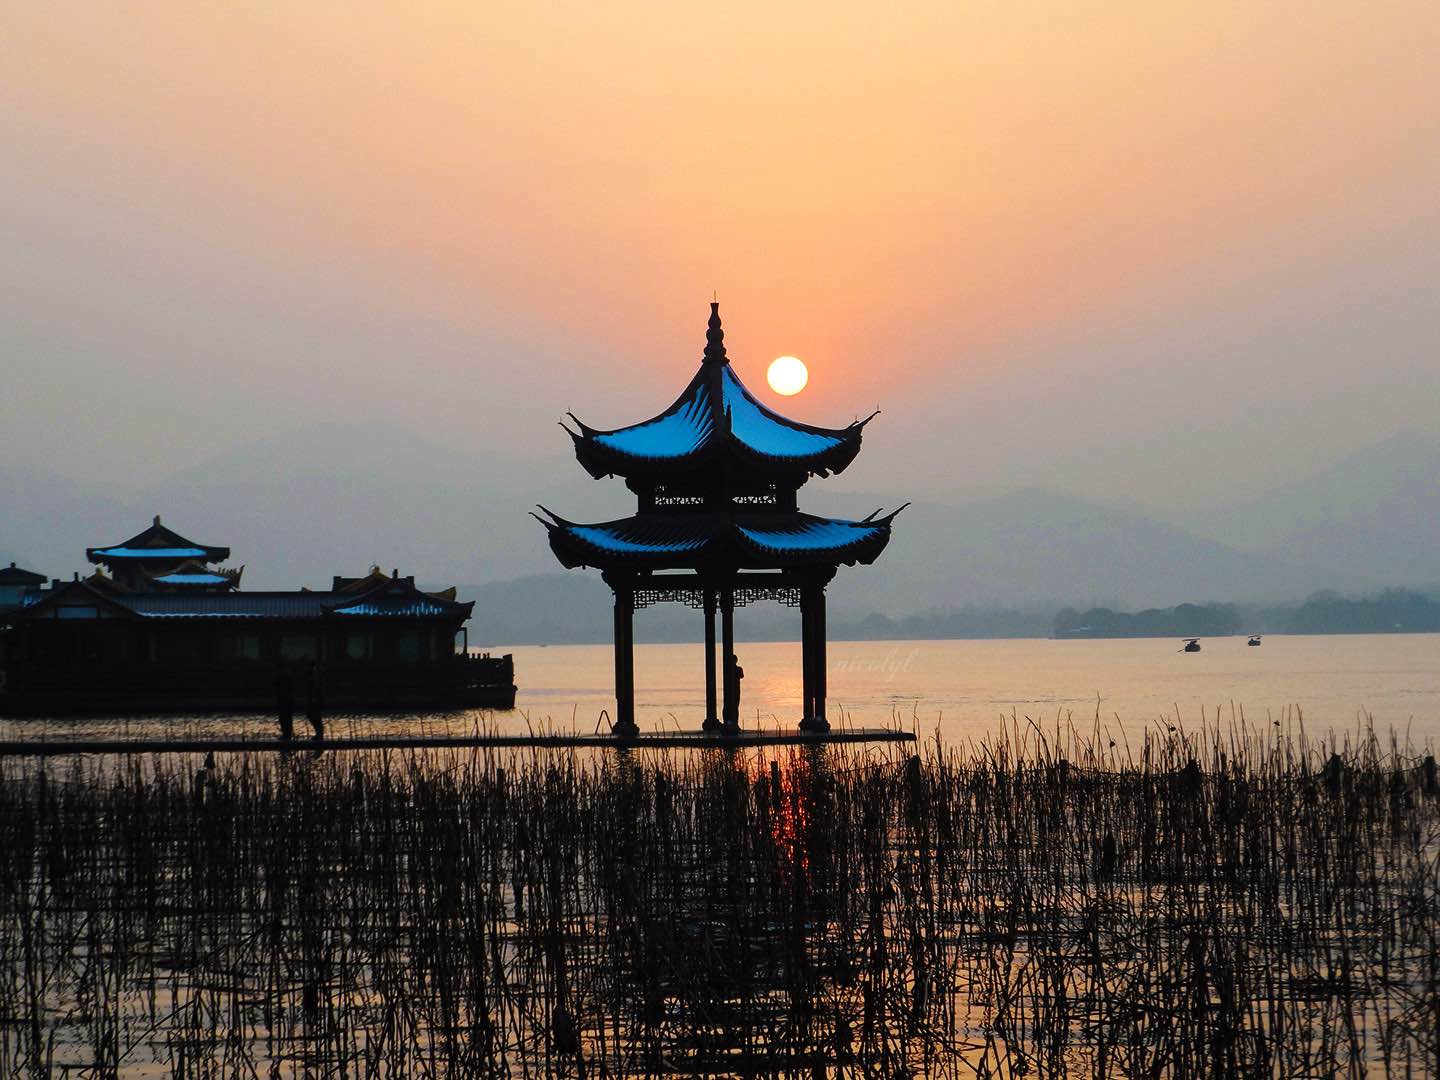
1232 900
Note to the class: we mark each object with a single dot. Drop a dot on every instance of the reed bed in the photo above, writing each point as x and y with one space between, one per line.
1231 901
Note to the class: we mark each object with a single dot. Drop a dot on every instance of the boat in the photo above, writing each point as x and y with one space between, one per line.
1191 645
169 630
1254 640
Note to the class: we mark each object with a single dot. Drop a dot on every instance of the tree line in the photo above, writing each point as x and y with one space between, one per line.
1391 611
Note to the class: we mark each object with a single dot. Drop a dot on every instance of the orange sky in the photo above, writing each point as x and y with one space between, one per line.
932 202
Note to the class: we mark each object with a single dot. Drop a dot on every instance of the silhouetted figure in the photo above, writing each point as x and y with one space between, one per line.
733 674
285 703
1428 772
314 711
203 777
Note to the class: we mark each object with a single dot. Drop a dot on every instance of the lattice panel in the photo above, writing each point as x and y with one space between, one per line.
788 595
689 597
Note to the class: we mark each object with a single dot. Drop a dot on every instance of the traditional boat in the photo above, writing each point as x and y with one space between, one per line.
167 629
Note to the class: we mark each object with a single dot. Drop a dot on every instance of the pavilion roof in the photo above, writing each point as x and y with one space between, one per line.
757 540
716 417
398 596
157 543
193 574
101 582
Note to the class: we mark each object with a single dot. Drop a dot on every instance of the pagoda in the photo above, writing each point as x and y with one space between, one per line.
159 559
718 526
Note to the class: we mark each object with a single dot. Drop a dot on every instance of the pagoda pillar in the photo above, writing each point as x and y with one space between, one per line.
727 659
818 662
812 656
625 661
712 714
807 672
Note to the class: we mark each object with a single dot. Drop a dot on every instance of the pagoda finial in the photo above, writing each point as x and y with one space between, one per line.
714 337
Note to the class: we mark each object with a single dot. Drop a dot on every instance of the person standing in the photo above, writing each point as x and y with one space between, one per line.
314 708
733 674
285 703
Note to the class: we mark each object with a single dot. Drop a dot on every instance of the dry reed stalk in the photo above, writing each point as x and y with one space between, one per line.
1220 900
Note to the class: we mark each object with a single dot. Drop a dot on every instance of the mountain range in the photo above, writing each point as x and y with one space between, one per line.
1373 512
337 498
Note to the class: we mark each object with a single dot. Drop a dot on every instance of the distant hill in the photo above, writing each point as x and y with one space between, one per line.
540 609
989 567
46 517
1374 513
1391 611
297 509
576 608
337 497
1183 620
1036 547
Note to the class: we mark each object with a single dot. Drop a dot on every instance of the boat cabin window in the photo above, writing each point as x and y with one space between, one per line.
358 646
298 647
407 648
239 647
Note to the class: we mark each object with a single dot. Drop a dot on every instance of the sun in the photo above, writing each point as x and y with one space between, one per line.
787 375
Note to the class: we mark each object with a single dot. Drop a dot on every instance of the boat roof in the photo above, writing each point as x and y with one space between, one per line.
15 575
158 542
397 598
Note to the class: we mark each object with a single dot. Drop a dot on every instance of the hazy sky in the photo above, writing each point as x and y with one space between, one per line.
1152 252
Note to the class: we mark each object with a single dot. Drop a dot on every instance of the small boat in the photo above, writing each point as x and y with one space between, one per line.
1254 640
1191 645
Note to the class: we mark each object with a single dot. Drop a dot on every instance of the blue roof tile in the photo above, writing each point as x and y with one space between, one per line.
816 534
192 579
682 430
749 540
715 415
147 553
766 432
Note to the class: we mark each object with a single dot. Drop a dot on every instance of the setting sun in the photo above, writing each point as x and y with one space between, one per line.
787 375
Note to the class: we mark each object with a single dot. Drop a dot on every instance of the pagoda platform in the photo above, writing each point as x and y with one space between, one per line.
668 740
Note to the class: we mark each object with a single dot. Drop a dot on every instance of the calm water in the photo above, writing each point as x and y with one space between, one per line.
963 687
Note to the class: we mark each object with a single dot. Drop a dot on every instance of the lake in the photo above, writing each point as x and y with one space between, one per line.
961 688
462 912
964 687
